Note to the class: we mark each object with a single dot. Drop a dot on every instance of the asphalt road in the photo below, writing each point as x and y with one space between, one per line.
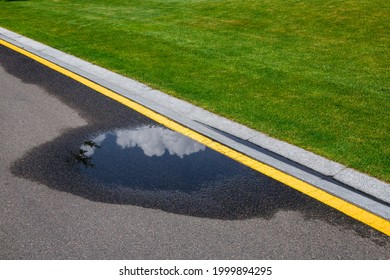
49 209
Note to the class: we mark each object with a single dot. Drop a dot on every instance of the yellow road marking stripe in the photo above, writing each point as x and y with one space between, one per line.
345 207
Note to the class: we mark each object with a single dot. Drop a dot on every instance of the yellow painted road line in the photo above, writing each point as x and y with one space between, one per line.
345 207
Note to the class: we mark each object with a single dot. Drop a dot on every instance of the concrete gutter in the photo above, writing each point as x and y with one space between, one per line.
355 187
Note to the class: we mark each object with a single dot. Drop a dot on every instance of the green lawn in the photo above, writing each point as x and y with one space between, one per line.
314 73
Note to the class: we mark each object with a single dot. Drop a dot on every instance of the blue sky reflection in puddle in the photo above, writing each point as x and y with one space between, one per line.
154 158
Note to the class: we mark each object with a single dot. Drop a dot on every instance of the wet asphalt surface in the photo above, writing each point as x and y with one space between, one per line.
84 177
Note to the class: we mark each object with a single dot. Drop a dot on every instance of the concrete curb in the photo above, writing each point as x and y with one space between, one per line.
328 175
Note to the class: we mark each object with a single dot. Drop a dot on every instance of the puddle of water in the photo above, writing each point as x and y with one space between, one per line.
152 166
153 158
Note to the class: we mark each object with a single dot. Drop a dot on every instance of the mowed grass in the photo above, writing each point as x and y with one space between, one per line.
312 73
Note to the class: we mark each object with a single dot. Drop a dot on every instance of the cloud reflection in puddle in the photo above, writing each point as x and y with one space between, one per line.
154 141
